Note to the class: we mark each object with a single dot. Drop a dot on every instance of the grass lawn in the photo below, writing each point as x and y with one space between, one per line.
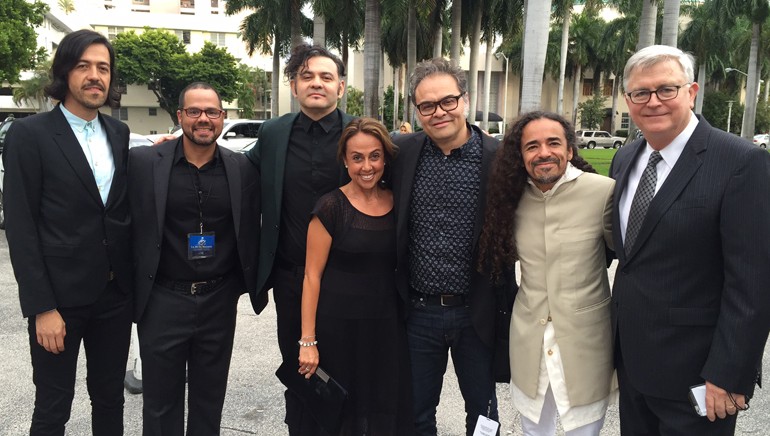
599 158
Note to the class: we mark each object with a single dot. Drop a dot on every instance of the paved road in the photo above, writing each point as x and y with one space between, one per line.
254 403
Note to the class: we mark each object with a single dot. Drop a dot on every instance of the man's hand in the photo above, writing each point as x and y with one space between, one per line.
50 331
719 404
164 139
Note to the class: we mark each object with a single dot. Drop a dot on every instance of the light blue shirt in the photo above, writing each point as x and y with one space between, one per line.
96 147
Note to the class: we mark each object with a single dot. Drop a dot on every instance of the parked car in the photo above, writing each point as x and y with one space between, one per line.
6 124
236 133
136 140
762 140
594 138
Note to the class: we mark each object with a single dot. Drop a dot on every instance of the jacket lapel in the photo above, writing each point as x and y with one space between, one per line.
280 140
73 153
408 159
161 173
686 167
119 149
620 185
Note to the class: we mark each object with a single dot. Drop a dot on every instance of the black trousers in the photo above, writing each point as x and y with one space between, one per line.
104 327
644 415
287 292
195 332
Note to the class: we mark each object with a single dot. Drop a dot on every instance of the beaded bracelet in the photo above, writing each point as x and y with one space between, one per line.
307 344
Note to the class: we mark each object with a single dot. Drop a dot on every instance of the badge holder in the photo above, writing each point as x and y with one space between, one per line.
201 245
486 426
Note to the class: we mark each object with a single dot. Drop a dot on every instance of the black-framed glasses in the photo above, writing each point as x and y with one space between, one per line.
448 103
194 112
663 93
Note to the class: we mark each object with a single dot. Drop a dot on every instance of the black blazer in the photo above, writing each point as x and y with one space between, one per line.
64 243
149 170
269 155
483 295
690 301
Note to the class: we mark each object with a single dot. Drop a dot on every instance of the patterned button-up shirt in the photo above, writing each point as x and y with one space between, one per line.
445 200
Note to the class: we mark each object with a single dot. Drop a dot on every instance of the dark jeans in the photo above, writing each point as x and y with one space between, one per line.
287 292
195 332
433 331
104 327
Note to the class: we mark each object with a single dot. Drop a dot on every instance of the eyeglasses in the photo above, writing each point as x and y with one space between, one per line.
194 112
448 103
663 93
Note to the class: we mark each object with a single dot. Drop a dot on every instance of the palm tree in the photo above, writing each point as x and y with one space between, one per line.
32 90
647 24
456 44
670 22
537 13
585 40
67 6
372 55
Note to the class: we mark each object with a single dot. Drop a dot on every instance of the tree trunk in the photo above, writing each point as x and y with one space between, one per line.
396 94
372 55
613 114
702 91
343 103
647 23
670 23
487 83
275 82
319 30
456 44
438 42
752 85
411 55
473 65
576 93
563 60
534 47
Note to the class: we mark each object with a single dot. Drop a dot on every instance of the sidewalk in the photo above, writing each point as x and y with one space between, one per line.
254 403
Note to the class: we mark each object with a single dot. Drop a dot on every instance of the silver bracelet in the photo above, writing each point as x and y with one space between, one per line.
307 344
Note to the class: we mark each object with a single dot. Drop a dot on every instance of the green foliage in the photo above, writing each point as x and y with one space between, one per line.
355 102
715 110
253 89
18 40
159 59
32 90
592 111
387 107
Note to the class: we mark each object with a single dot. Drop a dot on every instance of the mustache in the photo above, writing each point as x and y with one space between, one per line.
94 84
545 161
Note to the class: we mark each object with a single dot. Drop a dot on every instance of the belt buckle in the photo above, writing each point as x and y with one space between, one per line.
194 287
449 297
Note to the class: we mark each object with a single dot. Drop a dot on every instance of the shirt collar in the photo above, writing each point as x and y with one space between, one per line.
326 123
468 147
78 124
672 151
570 173
179 153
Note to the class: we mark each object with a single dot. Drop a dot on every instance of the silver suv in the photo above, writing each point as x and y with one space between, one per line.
593 138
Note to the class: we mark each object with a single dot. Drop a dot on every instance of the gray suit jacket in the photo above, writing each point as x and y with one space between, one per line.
690 301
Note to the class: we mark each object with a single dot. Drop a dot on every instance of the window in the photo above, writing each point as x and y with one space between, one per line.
588 87
214 3
153 132
187 3
218 38
112 32
153 112
624 120
120 113
183 35
141 2
607 88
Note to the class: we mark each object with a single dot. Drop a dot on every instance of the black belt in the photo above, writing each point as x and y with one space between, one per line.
288 266
191 288
445 300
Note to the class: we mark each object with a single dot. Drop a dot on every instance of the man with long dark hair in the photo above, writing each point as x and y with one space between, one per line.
68 232
550 212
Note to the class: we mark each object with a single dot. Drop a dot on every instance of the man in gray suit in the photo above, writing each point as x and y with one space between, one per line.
690 226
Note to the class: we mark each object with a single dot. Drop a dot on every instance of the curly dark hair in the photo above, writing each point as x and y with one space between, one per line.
68 55
497 245
300 55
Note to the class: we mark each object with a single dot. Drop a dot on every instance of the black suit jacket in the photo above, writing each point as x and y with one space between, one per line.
484 297
269 155
65 244
690 301
149 171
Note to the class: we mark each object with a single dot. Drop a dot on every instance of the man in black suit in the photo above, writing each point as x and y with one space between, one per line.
690 301
297 158
439 188
68 231
194 206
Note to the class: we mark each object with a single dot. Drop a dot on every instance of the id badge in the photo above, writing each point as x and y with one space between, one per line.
200 245
485 427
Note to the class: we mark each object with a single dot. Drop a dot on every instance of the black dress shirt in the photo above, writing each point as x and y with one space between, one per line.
445 200
182 217
311 171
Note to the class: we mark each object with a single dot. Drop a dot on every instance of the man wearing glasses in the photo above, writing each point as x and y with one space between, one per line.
439 187
193 206
690 303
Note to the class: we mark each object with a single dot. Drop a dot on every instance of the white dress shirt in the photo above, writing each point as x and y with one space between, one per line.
96 147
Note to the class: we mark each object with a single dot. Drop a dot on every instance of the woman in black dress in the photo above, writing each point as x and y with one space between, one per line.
350 316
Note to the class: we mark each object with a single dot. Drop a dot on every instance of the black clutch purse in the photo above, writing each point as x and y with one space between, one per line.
323 397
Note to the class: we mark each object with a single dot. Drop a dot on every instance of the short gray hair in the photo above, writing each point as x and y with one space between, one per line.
436 66
655 54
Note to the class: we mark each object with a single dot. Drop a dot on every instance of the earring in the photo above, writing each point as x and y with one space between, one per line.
346 166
